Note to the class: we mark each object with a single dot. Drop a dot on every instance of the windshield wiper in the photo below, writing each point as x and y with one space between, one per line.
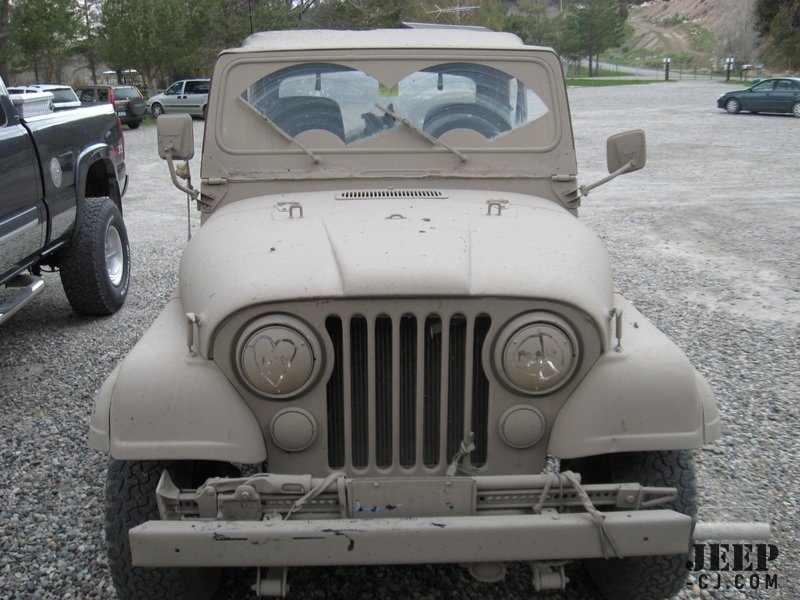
435 141
277 128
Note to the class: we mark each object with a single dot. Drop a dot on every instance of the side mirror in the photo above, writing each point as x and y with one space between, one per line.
176 142
175 137
624 148
625 152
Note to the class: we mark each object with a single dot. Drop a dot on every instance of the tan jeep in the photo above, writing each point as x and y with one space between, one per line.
389 326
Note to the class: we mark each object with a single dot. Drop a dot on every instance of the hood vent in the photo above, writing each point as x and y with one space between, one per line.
381 194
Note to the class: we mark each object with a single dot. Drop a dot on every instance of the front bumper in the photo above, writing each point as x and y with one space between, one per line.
270 520
291 543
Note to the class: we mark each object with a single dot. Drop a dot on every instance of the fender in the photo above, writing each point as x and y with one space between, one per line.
103 153
185 408
645 397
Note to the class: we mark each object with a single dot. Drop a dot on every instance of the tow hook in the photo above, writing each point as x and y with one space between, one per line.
549 575
271 582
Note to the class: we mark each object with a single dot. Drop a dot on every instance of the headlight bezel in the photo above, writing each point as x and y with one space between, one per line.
285 328
549 324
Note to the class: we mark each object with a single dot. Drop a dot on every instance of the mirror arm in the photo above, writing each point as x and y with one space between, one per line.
184 188
585 189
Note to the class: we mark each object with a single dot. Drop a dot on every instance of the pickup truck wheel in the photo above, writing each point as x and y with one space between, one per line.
642 577
130 501
95 270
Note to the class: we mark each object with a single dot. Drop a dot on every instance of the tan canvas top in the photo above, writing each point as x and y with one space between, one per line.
382 38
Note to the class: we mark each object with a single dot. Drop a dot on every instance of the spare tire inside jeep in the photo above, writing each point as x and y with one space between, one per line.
137 107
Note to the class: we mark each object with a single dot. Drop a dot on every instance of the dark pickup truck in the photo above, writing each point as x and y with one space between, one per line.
62 178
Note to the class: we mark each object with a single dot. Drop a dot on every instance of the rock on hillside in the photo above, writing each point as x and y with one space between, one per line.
674 26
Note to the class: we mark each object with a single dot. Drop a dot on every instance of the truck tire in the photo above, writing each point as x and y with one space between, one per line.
96 268
642 577
130 501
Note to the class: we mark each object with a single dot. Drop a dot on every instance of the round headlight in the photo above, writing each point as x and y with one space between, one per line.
536 353
278 356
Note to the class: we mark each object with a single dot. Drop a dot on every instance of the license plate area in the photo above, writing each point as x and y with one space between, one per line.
411 497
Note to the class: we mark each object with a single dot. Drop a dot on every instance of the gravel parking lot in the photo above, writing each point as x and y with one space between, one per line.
704 240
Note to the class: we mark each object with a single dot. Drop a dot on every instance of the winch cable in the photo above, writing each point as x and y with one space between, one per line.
598 517
548 482
314 492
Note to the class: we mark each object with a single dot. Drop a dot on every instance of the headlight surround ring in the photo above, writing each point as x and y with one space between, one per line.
536 353
278 356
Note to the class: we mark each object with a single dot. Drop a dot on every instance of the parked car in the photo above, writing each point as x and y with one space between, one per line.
188 96
780 95
127 100
64 97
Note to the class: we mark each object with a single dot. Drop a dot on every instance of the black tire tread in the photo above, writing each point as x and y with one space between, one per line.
84 281
130 501
643 577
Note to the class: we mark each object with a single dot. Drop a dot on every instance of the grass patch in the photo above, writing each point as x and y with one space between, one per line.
609 82
574 71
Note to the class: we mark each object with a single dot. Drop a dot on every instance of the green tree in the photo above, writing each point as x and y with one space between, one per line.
151 36
44 32
531 23
592 26
780 21
88 15
5 41
355 14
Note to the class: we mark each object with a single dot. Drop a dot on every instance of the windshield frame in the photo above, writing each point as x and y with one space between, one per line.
401 153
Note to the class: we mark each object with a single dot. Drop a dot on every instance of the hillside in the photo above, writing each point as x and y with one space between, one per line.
677 27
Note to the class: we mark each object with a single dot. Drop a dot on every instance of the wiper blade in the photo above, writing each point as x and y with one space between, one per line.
411 127
277 128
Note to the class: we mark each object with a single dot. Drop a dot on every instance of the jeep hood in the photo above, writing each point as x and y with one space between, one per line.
262 250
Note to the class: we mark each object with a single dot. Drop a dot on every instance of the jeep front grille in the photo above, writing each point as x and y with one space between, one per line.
405 390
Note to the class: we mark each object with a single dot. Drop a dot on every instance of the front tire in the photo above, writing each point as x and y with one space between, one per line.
96 268
130 501
733 106
796 109
642 577
157 109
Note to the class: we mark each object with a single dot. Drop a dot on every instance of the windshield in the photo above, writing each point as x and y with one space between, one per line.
355 106
64 95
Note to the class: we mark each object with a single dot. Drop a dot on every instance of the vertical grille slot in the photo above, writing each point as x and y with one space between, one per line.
480 392
335 393
408 390
383 391
432 390
456 364
359 393
405 389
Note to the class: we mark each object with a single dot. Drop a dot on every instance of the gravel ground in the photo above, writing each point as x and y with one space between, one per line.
704 241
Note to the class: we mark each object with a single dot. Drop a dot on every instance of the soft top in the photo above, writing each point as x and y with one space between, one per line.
327 39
